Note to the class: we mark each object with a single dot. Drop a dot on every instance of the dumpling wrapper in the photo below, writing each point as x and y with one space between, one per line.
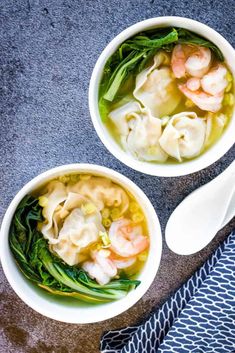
54 212
78 232
56 194
102 192
139 131
73 200
68 228
184 136
156 88
121 116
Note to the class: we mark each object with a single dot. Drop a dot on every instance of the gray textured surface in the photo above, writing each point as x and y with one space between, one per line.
48 51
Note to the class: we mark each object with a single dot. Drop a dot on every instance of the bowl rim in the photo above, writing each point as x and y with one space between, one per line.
214 153
18 282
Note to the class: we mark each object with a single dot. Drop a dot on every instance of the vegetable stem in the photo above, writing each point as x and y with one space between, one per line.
120 75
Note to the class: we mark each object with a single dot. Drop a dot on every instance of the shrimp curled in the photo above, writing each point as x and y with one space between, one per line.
127 239
202 99
191 59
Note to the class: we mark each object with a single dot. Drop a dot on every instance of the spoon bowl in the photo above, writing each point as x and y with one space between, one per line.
197 219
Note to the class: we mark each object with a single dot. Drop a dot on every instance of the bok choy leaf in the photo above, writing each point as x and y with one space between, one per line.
46 270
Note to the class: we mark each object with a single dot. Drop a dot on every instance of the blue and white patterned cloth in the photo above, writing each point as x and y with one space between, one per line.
198 318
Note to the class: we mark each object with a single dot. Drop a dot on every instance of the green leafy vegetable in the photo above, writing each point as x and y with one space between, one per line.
121 72
39 265
134 55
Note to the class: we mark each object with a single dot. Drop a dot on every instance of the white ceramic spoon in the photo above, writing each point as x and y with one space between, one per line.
197 219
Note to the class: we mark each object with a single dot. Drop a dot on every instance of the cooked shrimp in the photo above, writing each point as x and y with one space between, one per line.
101 268
124 263
178 60
199 62
191 59
127 239
203 100
215 81
193 83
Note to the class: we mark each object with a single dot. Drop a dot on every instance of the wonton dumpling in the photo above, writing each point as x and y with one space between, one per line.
78 232
72 215
121 116
143 139
56 194
62 200
140 131
184 136
156 89
102 192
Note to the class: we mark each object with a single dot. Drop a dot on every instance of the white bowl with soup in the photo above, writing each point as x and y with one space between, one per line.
161 96
80 243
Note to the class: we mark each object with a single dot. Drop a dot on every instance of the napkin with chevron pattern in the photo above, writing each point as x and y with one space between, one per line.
198 318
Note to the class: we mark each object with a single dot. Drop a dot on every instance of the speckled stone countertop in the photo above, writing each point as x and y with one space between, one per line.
48 50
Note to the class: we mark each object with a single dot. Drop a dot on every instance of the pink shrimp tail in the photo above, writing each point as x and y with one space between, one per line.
203 100
178 61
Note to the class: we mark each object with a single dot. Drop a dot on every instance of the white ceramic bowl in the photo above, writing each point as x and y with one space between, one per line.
168 170
42 302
